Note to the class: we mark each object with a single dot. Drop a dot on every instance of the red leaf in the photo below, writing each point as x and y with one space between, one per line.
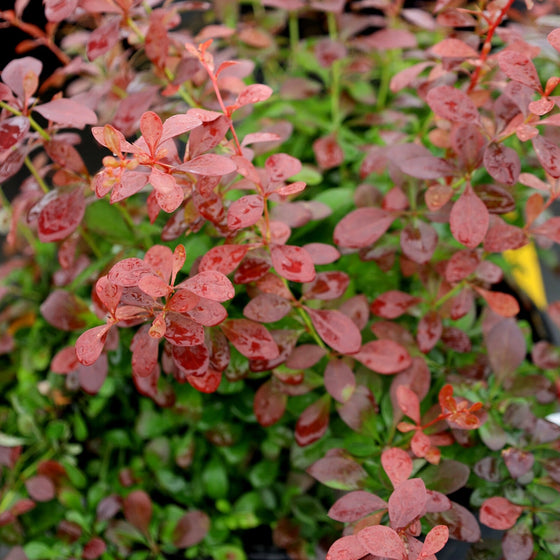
14 73
253 93
503 237
456 339
419 242
502 163
435 540
58 10
358 409
462 524
91 378
224 258
397 464
429 331
502 304
355 505
548 154
269 404
313 422
182 331
469 219
453 48
468 143
519 67
40 488
392 304
90 344
518 462
267 308
208 313
336 329
12 131
339 472
103 38
405 77
407 502
207 382
408 402
427 167
127 273
212 165
305 356
250 339
207 136
383 541
94 548
280 167
191 529
346 548
144 352
137 508
339 380
362 227
452 104
245 212
517 543
506 348
183 301
327 152
384 356
327 285
61 216
66 112
210 284
293 263
63 310
499 513
191 360
554 38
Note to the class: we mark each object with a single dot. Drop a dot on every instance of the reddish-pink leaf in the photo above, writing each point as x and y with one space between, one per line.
554 38
257 137
280 167
429 331
405 77
223 258
548 154
408 402
469 219
12 131
103 38
91 378
59 10
61 216
253 93
452 104
390 39
427 167
90 344
362 227
435 540
144 352
245 212
419 242
191 529
127 273
517 543
94 548
321 253
519 67
153 286
502 163
543 354
392 304
503 236
453 48
338 471
210 284
462 524
499 513
407 502
359 408
207 136
397 464
305 356
313 422
346 548
212 165
339 380
208 382
180 330
63 310
456 339
327 285
269 404
437 196
506 347
328 152
137 508
15 72
518 462
67 112
355 505
502 304
384 356
267 308
40 488
293 263
336 329
250 339
383 541
191 360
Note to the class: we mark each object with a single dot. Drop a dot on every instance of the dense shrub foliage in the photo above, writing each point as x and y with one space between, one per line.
254 276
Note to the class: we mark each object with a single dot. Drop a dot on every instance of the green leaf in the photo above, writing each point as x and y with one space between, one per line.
6 440
106 220
215 479
263 474
36 550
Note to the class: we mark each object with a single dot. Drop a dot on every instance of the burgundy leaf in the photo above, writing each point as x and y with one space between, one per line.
12 131
224 258
63 310
429 331
419 242
468 143
355 505
313 422
392 304
397 464
91 378
280 167
384 356
407 502
14 73
427 167
212 165
191 529
293 263
503 237
108 507
453 48
208 382
90 344
405 77
305 356
506 348
40 488
94 548
519 67
137 508
103 38
548 154
339 472
269 404
328 152
409 402
210 284
517 543
447 477
253 93
144 352
61 216
127 273
191 360
327 285
502 163
499 513
336 329
362 227
245 212
67 112
267 308
518 462
339 380
382 541
469 219
250 339
452 104
181 330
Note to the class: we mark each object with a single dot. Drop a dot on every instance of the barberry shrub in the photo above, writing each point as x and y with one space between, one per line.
219 290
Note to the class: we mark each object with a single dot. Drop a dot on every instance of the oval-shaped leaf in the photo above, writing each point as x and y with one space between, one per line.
250 339
67 112
355 505
362 227
397 464
269 404
210 284
313 422
191 529
384 356
137 508
499 513
502 163
336 329
61 216
469 219
407 502
382 541
245 212
293 263
452 104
